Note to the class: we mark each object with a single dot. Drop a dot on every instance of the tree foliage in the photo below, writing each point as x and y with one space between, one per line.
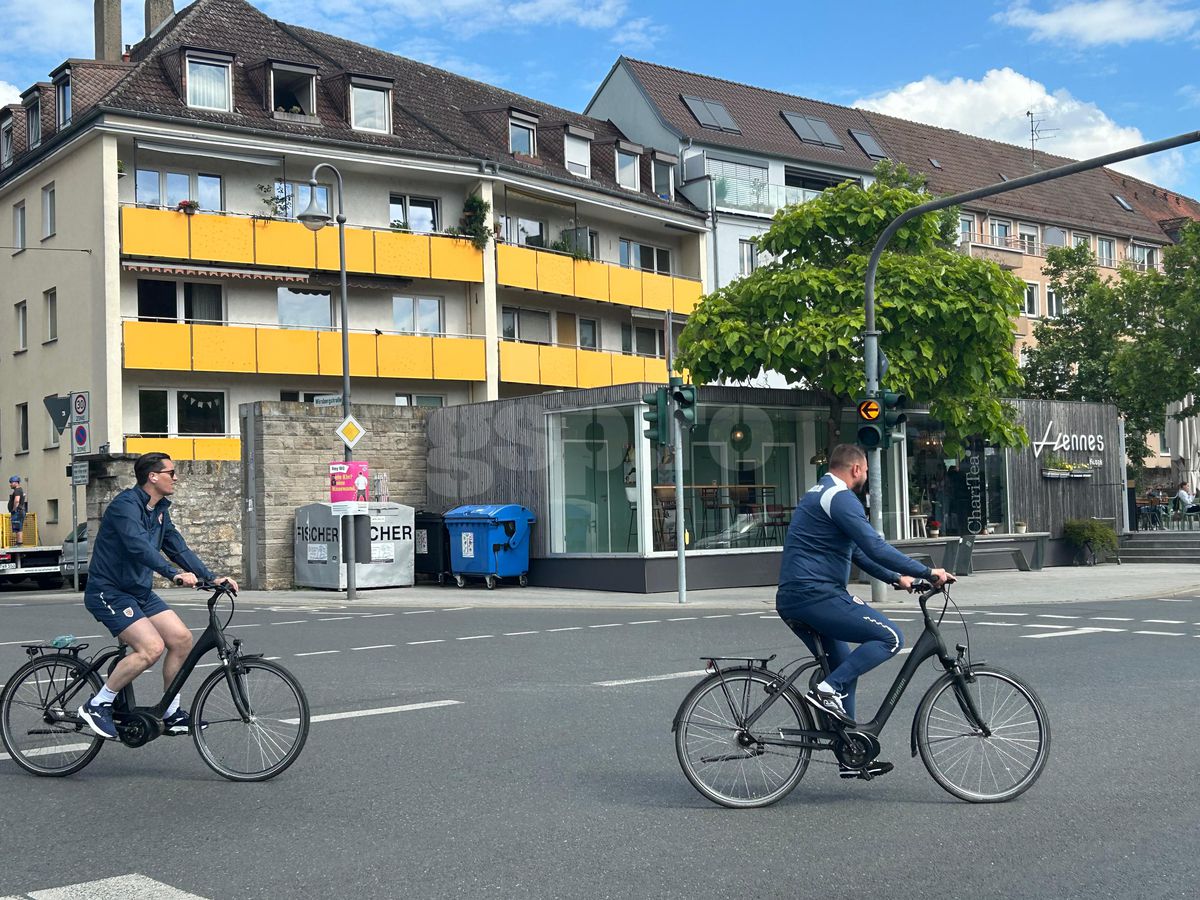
946 318
1133 341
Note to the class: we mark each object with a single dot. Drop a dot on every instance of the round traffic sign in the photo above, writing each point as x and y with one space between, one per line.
869 410
81 435
81 404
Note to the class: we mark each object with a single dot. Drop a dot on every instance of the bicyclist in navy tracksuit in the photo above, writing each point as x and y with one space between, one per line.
134 534
828 530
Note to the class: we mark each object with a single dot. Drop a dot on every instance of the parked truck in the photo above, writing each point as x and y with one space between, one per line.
47 567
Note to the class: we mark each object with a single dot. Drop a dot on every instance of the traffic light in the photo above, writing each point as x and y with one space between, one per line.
657 421
893 415
684 396
870 423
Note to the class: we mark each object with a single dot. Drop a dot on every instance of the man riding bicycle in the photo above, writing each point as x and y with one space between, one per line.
827 531
134 534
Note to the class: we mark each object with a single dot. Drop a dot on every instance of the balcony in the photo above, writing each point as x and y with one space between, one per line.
551 272
758 197
270 350
279 244
218 447
571 367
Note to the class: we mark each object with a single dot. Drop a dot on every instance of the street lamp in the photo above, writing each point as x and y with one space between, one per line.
314 219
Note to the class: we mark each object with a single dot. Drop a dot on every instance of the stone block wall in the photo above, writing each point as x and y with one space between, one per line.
286 452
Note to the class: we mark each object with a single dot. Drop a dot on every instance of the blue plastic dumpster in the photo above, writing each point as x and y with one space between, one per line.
489 542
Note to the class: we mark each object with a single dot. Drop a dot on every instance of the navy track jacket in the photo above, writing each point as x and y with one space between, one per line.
828 530
131 544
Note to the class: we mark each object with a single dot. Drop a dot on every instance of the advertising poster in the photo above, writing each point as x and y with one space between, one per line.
349 482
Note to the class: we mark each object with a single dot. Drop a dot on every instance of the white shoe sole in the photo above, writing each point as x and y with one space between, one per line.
87 720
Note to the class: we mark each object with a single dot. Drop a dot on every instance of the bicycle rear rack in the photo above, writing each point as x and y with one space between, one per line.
52 649
748 660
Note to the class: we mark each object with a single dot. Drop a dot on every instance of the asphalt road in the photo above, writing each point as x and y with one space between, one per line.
541 782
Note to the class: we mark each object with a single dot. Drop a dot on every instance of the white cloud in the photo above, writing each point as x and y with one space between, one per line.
640 34
1093 22
439 56
1190 95
995 106
9 93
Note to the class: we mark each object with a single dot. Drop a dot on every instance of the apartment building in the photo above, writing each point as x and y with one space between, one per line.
157 261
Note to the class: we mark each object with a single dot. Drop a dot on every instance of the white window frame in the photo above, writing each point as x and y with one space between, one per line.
387 107
1029 238
414 400
405 200
1053 304
579 320
48 212
296 71
333 317
1111 259
215 63
181 302
19 227
50 310
632 242
637 169
670 191
993 227
7 143
523 126
62 111
1037 300
193 177
1143 256
551 336
22 428
414 299
21 311
629 331
1075 239
583 148
173 410
33 124
967 236
747 257
302 396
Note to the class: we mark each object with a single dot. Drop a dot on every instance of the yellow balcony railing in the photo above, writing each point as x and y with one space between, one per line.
187 447
171 346
276 244
551 366
551 272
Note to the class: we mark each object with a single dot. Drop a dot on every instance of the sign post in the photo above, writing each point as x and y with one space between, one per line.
81 442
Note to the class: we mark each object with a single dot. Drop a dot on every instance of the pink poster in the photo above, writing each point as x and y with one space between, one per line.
349 482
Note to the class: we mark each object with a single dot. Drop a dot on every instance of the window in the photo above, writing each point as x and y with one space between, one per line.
869 145
432 401
51 432
208 192
1000 231
966 228
202 302
578 153
417 214
642 340
522 138
1027 238
1082 240
664 179
147 190
1144 257
208 85
370 108
154 187
62 102
1053 307
304 309
593 244
812 130
748 256
22 310
157 301
636 255
50 305
1122 202
293 89
711 114
530 325
526 232
160 301
48 210
299 396
33 124
1031 300
417 315
628 165
1164 446
19 227
589 333
1053 236
52 510
22 427
6 142
297 195
1106 251
174 411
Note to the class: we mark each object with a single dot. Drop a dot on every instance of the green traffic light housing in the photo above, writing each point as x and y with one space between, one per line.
657 421
684 396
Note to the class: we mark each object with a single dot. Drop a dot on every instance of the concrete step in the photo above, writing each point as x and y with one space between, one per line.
1157 544
1160 558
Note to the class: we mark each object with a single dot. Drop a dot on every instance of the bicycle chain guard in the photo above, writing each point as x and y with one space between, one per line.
857 749
137 728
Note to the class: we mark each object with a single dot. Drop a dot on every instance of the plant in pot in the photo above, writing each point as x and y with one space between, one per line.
1089 539
1021 527
188 206
631 491
935 528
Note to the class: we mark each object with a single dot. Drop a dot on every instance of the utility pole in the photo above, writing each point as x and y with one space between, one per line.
677 447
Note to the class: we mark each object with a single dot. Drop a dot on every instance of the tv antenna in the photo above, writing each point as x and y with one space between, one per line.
1037 133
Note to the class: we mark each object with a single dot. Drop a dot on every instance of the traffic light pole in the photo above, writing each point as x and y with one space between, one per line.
677 445
871 336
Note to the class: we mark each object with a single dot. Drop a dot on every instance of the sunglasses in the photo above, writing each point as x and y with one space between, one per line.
170 472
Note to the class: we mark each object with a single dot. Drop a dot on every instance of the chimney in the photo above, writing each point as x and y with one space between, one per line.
108 29
157 12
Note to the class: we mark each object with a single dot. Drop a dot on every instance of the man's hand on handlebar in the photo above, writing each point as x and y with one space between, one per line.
185 579
941 577
226 580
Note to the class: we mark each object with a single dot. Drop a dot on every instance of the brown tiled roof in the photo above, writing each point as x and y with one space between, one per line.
756 111
1169 209
1084 200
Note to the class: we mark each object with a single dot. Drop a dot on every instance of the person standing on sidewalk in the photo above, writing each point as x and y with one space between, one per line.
18 506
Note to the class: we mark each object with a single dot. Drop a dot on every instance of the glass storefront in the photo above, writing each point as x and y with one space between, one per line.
965 494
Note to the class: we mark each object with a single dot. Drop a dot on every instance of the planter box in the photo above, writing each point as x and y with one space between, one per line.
1055 473
296 117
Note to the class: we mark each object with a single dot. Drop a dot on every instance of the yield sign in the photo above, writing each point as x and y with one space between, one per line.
869 410
350 431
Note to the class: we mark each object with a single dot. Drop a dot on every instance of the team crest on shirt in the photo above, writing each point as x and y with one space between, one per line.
129 612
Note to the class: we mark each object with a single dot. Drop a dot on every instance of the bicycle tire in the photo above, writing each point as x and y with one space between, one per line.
706 739
273 738
63 745
955 753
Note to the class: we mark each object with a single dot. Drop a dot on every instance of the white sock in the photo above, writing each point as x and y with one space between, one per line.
174 706
826 686
104 695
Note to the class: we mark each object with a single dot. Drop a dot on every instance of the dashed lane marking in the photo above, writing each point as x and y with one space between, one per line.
999 624
623 681
519 633
1090 629
475 637
317 652
374 647
755 613
1162 633
335 618
721 616
647 622
291 622
1039 625
9 643
690 618
572 628
609 625
1111 619
1004 614
1052 616
246 625
377 615
416 612
1164 621
455 608
418 643
1175 599
381 711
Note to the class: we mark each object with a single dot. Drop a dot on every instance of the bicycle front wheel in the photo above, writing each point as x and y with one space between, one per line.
267 738
729 764
39 725
961 759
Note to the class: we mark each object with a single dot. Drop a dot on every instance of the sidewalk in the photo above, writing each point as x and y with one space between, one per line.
1056 585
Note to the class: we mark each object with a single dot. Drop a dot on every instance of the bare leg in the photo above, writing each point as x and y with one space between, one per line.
178 640
146 646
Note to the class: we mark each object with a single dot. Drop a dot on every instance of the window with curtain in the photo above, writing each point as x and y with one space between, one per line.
369 108
208 85
33 123
202 302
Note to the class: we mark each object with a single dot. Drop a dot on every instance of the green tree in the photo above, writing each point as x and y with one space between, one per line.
1131 341
945 317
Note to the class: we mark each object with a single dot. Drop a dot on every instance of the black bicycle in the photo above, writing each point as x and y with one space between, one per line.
744 735
253 712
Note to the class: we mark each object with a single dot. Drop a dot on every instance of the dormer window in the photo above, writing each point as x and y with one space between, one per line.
62 101
578 151
370 105
663 170
293 89
522 133
629 164
210 81
33 123
6 142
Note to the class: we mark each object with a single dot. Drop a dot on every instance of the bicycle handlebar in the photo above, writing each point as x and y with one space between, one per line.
217 589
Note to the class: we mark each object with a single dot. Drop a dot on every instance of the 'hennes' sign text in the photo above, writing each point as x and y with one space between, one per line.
1066 441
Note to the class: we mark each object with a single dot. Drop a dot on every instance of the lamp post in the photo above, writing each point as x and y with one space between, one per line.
314 219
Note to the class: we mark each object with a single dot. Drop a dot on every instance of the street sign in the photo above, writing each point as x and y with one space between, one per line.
59 409
81 408
81 439
350 431
327 400
79 473
868 410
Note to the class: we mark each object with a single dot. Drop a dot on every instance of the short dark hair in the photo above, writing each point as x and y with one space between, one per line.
147 463
846 455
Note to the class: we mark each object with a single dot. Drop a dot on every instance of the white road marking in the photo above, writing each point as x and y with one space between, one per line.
1163 599
667 677
318 652
475 637
1005 614
381 711
903 620
374 647
335 618
1164 621
455 608
12 604
377 615
572 628
48 751
1039 625
30 641
1074 631
272 657
1162 633
416 612
291 622
722 616
417 643
1052 616
127 887
1110 619
772 618
650 621
518 633
247 625
755 613
1000 624
690 618
609 625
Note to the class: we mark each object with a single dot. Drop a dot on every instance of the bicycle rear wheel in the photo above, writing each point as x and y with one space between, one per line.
970 766
268 739
726 763
45 736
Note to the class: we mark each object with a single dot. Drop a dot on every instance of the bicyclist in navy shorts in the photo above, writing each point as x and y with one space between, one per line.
827 531
134 534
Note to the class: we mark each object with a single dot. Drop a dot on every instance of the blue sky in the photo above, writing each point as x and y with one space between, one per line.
1100 74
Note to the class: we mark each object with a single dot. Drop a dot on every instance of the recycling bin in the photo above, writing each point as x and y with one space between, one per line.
489 542
383 544
432 548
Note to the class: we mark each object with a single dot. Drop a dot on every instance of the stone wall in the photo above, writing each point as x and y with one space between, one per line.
286 452
204 508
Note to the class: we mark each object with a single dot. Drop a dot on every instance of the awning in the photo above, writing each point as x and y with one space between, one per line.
150 268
